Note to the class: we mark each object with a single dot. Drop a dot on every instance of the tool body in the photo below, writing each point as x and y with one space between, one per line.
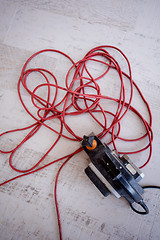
111 173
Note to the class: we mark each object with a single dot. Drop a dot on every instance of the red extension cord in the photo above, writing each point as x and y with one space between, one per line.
49 110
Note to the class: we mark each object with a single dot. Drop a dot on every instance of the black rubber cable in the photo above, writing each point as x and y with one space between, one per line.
142 203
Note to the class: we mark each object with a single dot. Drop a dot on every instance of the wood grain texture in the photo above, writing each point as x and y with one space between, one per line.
27 208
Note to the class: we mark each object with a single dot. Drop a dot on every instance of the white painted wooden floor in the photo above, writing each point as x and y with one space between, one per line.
27 210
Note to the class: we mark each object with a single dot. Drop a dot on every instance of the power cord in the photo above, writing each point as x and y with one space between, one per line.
80 88
143 205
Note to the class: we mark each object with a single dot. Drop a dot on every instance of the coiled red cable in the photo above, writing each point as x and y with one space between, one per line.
76 92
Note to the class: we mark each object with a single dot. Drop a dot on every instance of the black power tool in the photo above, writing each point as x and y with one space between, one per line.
111 173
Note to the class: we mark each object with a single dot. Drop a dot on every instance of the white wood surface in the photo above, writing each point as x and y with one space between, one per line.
27 210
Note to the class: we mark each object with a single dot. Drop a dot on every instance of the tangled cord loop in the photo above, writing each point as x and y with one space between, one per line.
76 92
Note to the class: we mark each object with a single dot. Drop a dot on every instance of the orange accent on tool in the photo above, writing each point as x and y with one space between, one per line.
94 145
